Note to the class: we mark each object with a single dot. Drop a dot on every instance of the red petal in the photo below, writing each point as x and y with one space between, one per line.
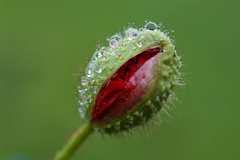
125 89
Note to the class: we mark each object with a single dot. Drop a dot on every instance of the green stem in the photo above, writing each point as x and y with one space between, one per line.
76 140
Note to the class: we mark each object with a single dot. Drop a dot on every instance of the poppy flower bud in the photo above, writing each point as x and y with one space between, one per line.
129 82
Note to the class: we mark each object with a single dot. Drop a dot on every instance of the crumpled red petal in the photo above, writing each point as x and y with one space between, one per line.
125 89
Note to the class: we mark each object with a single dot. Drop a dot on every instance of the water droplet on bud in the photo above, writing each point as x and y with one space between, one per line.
80 89
93 89
113 43
97 68
131 33
103 49
150 26
88 72
80 110
84 81
80 103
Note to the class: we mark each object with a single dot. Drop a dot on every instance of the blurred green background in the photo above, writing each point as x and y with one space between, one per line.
43 42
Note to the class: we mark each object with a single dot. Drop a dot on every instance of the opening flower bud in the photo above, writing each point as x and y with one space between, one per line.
128 83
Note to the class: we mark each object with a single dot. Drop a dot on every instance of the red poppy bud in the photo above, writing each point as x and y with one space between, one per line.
127 83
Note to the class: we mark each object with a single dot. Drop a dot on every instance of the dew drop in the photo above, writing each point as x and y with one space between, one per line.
94 59
150 26
97 68
84 81
93 89
89 100
131 33
113 43
88 72
80 110
101 54
103 49
98 55
95 53
80 89
81 103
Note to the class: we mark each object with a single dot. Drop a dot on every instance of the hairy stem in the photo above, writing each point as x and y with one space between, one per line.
76 140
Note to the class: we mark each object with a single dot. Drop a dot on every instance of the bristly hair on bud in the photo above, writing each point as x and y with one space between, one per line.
128 82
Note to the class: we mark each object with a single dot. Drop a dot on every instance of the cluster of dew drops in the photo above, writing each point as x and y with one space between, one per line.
94 68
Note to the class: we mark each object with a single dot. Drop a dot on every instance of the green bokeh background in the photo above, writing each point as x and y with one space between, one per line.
43 42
